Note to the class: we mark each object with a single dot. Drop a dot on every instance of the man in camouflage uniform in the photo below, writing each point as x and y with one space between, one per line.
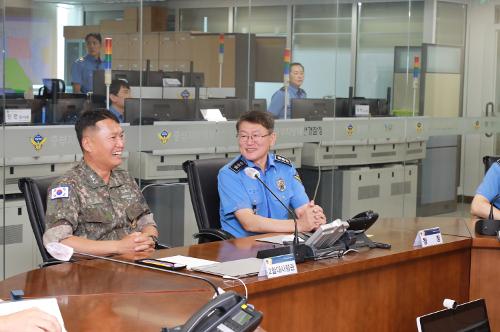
95 207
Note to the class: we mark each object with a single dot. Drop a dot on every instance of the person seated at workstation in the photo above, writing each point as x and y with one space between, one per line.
487 192
82 71
246 207
277 104
119 90
96 207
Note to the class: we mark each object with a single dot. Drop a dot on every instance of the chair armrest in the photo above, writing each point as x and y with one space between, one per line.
212 234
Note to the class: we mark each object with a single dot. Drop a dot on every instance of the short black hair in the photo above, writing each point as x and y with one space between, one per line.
89 119
296 64
263 118
96 35
116 85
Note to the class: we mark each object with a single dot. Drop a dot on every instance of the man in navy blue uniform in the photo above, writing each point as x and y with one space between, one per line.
119 90
486 192
277 105
83 68
246 207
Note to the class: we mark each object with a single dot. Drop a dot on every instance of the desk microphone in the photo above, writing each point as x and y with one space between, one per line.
299 250
64 253
489 226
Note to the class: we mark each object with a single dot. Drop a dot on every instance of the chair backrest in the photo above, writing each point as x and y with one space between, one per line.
202 180
488 161
35 195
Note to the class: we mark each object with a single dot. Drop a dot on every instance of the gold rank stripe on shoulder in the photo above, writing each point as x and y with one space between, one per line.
297 177
282 160
238 165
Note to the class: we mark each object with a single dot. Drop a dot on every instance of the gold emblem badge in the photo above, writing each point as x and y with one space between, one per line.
281 184
38 141
164 136
350 129
420 127
477 124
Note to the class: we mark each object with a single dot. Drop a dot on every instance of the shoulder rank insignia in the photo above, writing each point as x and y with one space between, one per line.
282 160
297 177
238 165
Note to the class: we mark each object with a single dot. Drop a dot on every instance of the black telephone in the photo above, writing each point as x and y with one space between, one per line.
227 312
362 221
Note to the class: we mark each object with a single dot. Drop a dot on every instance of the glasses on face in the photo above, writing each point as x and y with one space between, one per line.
255 138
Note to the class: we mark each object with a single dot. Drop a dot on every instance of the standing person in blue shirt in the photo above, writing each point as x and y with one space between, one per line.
486 192
277 105
119 90
246 207
83 68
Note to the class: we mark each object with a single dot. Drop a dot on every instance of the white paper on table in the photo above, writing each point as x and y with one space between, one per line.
48 305
188 261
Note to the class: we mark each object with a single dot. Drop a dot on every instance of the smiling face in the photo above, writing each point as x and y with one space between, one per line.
103 145
255 141
296 75
118 100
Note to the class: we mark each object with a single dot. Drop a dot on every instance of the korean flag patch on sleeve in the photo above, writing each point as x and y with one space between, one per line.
59 192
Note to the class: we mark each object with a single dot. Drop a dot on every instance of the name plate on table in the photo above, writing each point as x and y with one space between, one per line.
428 237
278 266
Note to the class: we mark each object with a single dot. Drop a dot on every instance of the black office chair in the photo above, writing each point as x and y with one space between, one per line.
488 161
202 180
35 195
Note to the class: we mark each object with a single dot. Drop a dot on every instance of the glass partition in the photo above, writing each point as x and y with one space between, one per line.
397 115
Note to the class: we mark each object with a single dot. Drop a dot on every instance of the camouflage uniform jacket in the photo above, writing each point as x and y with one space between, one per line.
81 204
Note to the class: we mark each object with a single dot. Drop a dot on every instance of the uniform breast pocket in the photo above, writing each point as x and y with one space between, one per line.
134 211
97 213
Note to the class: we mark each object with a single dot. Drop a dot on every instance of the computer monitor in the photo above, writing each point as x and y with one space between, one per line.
342 108
99 88
225 105
312 109
152 78
158 110
259 105
65 111
193 79
470 316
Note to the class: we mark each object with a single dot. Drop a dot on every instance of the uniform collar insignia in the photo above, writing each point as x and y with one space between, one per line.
282 160
238 165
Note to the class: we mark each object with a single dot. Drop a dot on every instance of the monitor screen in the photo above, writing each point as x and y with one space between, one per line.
312 109
65 111
193 79
158 110
225 105
259 105
470 316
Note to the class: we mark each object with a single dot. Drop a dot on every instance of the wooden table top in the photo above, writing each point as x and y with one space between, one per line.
133 298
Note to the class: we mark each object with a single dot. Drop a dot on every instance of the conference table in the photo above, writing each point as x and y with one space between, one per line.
373 289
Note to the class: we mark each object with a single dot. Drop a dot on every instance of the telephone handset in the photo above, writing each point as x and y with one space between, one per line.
227 312
362 221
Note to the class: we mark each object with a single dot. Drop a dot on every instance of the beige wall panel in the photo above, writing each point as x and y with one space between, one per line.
442 95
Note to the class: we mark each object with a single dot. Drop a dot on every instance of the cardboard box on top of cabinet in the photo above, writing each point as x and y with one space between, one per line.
154 18
131 13
121 26
79 32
